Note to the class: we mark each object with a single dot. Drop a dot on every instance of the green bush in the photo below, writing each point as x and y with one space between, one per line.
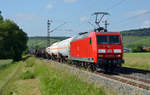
27 75
29 64
148 50
138 48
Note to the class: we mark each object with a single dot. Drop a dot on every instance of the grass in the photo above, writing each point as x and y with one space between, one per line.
27 75
29 64
5 62
21 80
7 77
26 87
35 77
137 60
6 73
41 78
55 81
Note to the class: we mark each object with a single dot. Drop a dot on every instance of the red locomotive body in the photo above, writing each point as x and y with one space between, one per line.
103 49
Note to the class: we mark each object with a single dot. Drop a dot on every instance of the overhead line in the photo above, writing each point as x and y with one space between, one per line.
115 5
134 17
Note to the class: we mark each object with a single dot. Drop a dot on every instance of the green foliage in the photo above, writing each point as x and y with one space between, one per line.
138 48
27 75
12 40
148 50
1 17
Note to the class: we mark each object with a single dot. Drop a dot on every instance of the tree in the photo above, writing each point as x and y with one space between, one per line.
1 17
13 40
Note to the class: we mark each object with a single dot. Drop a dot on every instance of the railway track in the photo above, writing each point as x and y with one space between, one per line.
137 73
136 77
128 77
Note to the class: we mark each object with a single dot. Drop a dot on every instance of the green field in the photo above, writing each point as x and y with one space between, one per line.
132 41
137 60
35 77
41 42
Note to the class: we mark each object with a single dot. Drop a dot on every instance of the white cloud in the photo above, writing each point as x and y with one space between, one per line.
146 24
84 18
49 6
70 1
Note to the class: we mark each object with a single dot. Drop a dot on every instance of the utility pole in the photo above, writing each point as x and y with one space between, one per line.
48 32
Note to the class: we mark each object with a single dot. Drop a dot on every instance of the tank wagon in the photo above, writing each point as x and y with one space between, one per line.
93 49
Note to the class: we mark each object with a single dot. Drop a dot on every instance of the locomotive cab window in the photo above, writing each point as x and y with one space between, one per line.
114 39
108 39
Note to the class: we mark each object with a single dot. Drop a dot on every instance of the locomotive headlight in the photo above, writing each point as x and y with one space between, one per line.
117 50
118 55
101 51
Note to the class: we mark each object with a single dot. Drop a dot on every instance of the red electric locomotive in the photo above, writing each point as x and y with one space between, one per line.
102 49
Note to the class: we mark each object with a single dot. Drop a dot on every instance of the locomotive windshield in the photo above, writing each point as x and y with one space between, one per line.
108 39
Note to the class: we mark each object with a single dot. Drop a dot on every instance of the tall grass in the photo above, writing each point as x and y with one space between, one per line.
55 81
7 77
50 79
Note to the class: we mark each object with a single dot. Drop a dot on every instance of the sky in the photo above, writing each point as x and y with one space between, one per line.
32 15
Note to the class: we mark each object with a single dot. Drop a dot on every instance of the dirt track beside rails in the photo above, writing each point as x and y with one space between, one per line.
117 85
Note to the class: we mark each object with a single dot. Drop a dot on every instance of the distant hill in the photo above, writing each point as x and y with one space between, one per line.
41 42
137 32
131 38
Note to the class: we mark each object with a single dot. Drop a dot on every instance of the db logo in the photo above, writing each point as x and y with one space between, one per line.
109 51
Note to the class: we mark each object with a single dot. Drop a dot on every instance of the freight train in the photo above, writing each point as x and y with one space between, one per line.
90 49
98 49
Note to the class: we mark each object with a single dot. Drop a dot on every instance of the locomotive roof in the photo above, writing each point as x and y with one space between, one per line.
80 36
108 33
86 34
